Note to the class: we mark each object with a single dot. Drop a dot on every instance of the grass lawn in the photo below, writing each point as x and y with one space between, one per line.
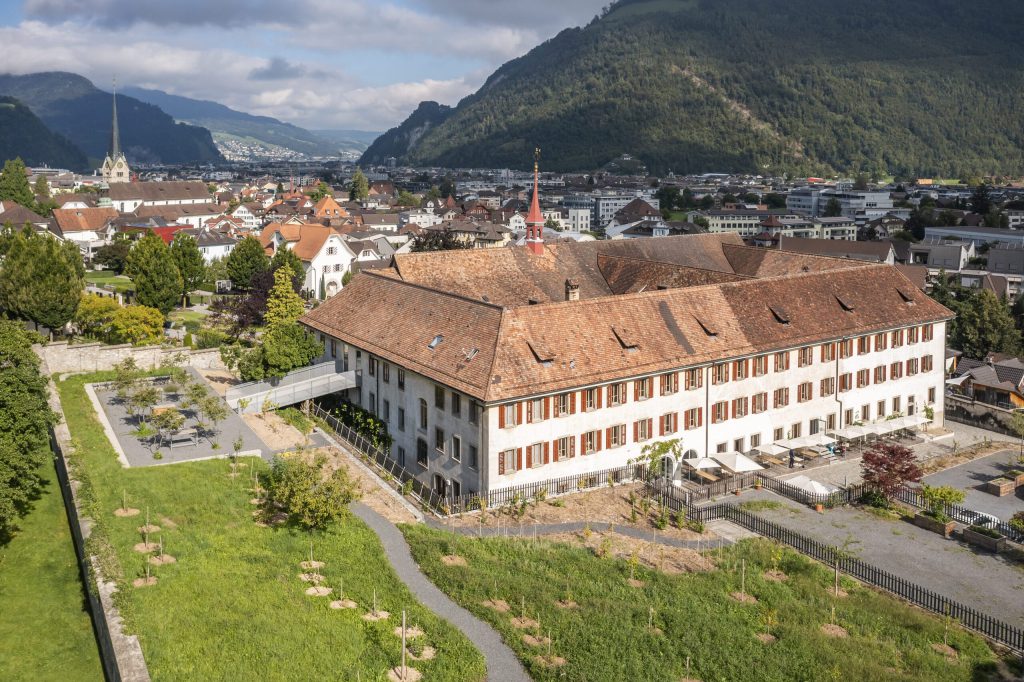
233 606
104 277
44 628
606 637
182 316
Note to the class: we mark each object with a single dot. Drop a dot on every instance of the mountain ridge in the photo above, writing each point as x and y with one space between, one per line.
70 105
24 135
932 87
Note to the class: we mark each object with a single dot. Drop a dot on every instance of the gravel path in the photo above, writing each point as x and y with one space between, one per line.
502 664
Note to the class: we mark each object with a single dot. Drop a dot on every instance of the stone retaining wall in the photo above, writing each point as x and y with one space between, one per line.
63 358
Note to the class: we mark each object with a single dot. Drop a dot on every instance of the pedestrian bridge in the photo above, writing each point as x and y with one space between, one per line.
295 387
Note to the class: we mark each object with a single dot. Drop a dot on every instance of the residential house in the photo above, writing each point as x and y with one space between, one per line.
324 253
89 228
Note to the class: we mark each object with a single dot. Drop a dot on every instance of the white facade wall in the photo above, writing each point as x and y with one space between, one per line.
212 253
328 267
579 219
706 439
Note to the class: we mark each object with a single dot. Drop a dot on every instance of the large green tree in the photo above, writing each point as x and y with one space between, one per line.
985 325
41 279
359 187
189 262
245 261
287 257
285 345
25 418
158 283
114 256
14 184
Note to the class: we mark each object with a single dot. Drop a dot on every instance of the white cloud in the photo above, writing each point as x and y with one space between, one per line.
313 97
212 50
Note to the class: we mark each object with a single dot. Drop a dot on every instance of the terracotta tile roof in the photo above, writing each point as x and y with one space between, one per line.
83 219
838 248
465 325
755 261
513 276
18 215
307 239
175 211
631 275
672 328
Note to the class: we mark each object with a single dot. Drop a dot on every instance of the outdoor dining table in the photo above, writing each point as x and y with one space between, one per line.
710 478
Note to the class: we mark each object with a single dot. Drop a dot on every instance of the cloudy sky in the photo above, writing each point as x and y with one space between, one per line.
316 63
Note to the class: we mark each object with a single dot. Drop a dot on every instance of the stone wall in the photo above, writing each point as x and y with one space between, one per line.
63 358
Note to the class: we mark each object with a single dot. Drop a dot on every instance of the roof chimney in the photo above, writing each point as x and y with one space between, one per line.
572 290
534 219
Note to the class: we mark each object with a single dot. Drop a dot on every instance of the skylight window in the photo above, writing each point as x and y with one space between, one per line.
436 342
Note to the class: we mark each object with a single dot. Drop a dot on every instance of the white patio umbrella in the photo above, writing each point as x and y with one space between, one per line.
811 486
736 463
772 449
701 463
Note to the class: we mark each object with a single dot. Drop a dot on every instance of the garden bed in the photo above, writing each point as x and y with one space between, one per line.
648 628
944 528
1001 487
232 605
984 538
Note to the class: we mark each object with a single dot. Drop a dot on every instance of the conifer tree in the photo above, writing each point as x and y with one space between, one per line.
189 262
245 261
359 188
158 283
14 184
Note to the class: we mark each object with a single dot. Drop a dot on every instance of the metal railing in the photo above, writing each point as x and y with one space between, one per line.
957 513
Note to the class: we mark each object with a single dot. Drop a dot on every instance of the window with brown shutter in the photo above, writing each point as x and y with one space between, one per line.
519 459
519 413
547 453
828 352
547 407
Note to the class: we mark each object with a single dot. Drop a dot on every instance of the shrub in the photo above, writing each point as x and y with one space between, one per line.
210 338
1017 522
936 497
187 341
874 498
295 418
310 495
988 532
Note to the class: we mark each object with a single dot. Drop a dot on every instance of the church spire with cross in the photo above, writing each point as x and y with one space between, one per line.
115 166
535 219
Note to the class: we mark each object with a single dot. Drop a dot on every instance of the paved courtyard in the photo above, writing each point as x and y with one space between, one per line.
140 452
987 582
971 476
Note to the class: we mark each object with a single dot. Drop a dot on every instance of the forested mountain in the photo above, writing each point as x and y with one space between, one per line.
348 141
72 106
23 134
929 87
401 140
221 120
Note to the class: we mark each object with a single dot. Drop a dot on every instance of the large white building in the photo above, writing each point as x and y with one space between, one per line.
499 367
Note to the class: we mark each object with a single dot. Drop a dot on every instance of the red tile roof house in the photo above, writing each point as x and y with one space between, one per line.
499 367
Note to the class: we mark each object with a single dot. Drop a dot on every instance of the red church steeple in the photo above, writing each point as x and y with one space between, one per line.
534 219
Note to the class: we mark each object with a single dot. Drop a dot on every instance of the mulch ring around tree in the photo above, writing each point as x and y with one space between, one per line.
318 591
426 654
376 615
149 528
410 633
499 605
123 512
144 582
633 582
453 560
307 565
146 547
766 638
311 577
407 674
776 576
524 623
566 604
531 640
550 661
833 630
343 604
949 652
162 559
743 597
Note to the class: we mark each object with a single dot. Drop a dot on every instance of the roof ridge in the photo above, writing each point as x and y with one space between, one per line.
675 265
433 290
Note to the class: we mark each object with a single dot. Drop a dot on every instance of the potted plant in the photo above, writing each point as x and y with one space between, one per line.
934 517
986 538
1001 486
